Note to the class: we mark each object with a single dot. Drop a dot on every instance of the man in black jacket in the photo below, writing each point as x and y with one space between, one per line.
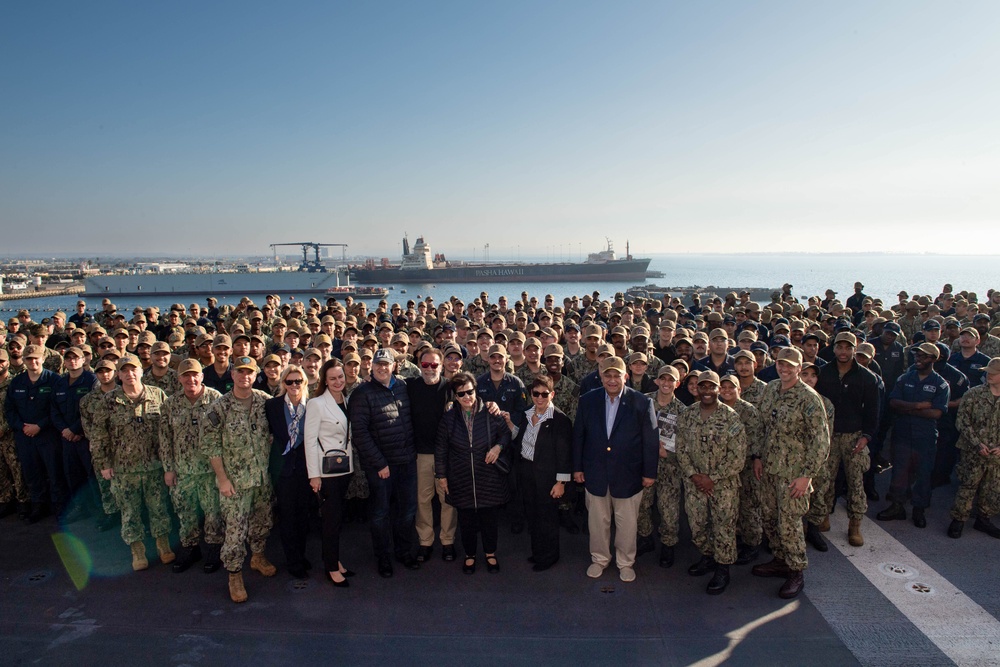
382 432
429 394
854 392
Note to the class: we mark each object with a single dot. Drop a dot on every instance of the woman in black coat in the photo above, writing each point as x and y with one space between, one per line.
544 451
469 442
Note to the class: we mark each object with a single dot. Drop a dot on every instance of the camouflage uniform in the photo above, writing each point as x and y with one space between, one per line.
88 407
567 397
125 438
824 484
12 486
583 367
475 366
181 452
53 361
754 392
717 448
978 423
667 488
526 375
749 525
168 383
796 444
407 369
241 437
990 345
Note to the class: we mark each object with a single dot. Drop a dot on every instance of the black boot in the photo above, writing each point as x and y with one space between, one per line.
815 538
106 522
955 529
7 508
644 544
894 512
984 525
919 520
76 513
187 557
747 554
705 565
212 562
666 555
23 510
38 512
719 580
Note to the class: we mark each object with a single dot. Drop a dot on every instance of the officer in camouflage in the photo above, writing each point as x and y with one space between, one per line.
105 372
160 374
124 444
237 441
979 467
796 445
711 452
12 486
187 472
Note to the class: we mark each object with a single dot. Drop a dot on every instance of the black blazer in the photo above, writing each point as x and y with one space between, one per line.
553 446
294 463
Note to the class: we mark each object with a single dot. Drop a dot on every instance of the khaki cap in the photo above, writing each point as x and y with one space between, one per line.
222 340
669 370
619 331
994 366
245 362
352 358
189 366
700 335
744 354
930 349
971 331
104 363
846 337
593 330
74 351
497 348
637 357
146 338
612 364
129 360
312 352
731 379
719 333
517 335
484 332
532 342
271 358
554 350
36 351
710 377
396 338
748 335
866 349
640 332
605 348
790 355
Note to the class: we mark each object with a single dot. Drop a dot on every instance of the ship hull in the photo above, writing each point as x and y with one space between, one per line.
619 270
213 284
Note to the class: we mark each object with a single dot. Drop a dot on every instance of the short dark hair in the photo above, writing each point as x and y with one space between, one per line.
460 380
541 381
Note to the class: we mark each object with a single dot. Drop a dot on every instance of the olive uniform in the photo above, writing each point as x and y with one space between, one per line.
88 408
168 382
668 487
978 423
12 486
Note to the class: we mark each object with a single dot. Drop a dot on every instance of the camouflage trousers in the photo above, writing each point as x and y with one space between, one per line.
193 496
820 484
855 467
667 491
132 490
782 517
247 516
980 475
12 486
713 518
748 524
108 502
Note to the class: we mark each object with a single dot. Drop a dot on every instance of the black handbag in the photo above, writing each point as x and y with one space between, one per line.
337 461
502 463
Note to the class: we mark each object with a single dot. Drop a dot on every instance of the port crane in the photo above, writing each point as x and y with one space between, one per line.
312 265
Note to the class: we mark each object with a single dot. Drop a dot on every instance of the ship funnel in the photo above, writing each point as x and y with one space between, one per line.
406 246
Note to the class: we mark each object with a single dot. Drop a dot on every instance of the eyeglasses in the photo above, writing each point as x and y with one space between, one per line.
292 383
462 394
540 394
428 364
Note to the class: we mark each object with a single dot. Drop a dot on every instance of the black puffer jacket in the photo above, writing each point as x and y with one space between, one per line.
381 427
472 483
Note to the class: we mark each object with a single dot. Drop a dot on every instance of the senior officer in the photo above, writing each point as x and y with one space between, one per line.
615 456
796 444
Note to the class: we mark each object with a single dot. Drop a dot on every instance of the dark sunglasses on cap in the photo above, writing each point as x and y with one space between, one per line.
468 392
540 394
428 364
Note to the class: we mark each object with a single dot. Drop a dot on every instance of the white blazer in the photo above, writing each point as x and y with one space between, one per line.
325 429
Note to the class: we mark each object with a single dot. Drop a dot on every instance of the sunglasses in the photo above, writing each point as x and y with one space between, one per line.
292 383
428 364
540 394
463 394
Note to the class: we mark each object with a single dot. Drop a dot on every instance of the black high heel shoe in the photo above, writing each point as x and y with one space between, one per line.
467 568
492 565
339 584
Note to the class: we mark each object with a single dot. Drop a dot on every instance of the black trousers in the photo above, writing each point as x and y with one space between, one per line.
42 465
475 522
542 511
331 498
294 497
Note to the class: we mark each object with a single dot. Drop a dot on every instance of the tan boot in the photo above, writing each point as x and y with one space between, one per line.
260 563
139 561
163 546
824 526
854 533
237 592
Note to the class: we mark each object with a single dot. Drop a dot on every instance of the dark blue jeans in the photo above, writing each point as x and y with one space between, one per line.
913 454
393 506
42 465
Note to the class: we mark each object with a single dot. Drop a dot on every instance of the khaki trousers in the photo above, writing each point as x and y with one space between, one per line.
426 487
625 511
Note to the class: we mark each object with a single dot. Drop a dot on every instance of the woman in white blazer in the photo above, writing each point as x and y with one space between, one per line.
326 429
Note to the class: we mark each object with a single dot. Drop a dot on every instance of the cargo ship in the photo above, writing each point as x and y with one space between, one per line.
422 266
189 283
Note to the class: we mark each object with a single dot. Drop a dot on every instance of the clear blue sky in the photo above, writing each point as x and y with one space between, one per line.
221 127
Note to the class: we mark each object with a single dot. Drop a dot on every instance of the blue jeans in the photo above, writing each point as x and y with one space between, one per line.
397 496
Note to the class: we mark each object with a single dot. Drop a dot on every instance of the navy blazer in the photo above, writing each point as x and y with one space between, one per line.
616 464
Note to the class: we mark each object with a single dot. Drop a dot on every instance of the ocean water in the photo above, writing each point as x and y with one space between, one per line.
883 276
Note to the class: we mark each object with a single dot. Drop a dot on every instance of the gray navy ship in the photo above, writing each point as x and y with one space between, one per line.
422 266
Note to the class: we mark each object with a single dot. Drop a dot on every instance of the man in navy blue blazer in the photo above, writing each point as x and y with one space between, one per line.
615 456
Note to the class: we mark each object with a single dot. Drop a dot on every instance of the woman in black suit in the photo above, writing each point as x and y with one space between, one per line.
286 418
544 453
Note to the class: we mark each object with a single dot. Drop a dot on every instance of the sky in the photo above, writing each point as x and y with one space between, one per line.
223 127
